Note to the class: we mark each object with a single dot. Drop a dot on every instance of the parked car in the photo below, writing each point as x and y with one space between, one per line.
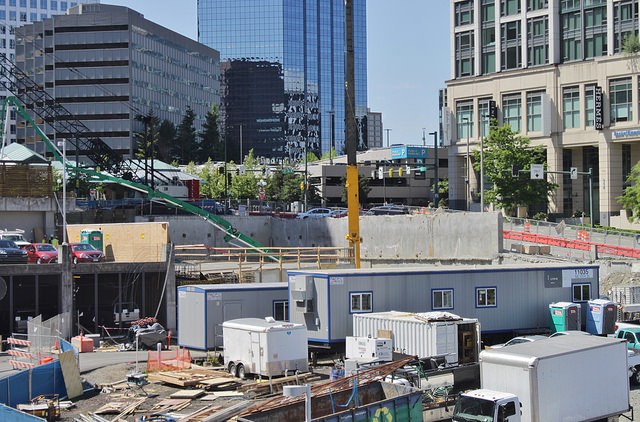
41 253
339 212
388 210
10 253
17 236
316 213
518 340
632 335
569 333
84 252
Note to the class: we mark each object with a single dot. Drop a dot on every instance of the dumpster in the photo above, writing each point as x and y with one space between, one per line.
565 316
601 317
93 237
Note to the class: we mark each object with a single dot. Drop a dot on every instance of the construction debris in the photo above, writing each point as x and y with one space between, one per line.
187 394
190 377
263 387
201 415
171 405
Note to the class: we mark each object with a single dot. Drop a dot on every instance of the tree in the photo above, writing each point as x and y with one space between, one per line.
184 148
504 149
363 190
630 198
166 138
212 185
443 193
245 186
210 145
329 154
631 49
148 138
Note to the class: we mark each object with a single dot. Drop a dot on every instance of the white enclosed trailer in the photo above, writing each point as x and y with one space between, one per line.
566 378
425 334
264 347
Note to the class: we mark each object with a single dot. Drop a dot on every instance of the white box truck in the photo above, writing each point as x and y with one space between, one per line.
566 378
425 334
264 347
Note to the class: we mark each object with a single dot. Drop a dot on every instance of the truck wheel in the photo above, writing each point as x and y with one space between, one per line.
241 373
232 369
635 378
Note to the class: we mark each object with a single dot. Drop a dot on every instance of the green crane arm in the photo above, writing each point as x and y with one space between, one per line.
218 222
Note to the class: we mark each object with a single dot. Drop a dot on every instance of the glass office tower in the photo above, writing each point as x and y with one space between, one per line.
283 64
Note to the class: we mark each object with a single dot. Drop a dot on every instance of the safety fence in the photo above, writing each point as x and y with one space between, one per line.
39 344
168 360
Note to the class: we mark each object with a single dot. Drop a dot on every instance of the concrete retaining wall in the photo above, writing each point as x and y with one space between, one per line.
438 236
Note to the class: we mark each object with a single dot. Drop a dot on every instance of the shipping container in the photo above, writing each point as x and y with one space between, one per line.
264 347
625 295
426 334
505 298
202 309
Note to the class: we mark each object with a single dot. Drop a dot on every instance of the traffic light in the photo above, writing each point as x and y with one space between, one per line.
515 170
493 111
301 185
220 170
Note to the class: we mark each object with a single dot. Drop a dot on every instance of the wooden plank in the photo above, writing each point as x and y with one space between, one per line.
71 374
187 394
227 394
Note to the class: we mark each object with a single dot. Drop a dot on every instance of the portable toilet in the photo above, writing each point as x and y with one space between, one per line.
601 317
93 237
565 316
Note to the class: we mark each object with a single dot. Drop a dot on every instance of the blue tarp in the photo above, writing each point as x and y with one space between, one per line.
43 379
8 414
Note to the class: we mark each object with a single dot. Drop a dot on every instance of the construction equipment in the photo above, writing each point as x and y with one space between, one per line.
107 165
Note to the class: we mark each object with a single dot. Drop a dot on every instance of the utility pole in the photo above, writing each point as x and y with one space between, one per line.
436 192
468 179
351 138
424 139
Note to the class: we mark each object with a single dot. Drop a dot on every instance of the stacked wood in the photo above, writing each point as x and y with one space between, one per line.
275 386
202 414
171 405
187 377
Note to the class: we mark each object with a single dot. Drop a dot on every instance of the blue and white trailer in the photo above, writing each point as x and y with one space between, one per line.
504 298
202 308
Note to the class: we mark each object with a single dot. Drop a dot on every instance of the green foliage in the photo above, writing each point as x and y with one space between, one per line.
284 187
363 190
147 139
184 149
504 148
443 192
213 186
210 145
311 157
329 154
631 45
630 198
166 137
542 216
245 186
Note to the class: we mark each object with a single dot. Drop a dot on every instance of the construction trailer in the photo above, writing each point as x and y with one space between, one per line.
202 308
504 298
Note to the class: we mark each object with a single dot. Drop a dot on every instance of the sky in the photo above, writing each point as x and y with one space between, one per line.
407 53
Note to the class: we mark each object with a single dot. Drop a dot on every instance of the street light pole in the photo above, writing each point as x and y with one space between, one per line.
424 139
331 137
306 169
436 193
64 190
482 163
468 192
241 151
388 130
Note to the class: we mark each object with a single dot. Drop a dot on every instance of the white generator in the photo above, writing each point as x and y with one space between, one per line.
264 347
369 348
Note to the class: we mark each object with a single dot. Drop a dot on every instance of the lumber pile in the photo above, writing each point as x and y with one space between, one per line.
171 405
263 387
201 415
190 377
120 407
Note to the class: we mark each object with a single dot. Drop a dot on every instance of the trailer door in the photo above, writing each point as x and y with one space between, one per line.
447 341
256 354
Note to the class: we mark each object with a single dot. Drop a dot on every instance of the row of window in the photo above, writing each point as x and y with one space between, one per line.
464 10
442 299
44 4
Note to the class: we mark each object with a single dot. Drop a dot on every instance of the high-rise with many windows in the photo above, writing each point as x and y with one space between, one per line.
283 73
15 13
557 73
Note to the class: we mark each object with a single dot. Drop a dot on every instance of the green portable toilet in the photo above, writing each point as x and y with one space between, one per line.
565 316
93 237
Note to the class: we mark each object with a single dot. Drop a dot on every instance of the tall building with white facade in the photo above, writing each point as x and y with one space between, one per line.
15 13
557 74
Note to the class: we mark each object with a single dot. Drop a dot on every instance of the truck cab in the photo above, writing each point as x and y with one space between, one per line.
631 335
487 406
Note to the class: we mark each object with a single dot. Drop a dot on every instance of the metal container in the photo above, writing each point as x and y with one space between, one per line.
625 295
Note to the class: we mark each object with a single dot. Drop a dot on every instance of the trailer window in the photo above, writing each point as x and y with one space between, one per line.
581 292
442 299
281 310
361 302
486 297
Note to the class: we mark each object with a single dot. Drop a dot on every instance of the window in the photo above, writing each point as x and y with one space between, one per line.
442 299
581 292
510 37
43 4
33 4
538 40
595 32
23 3
589 106
12 15
625 22
537 4
534 111
33 17
464 12
3 15
23 16
571 107
281 310
12 3
626 164
512 111
509 7
572 36
63 5
54 4
361 302
464 119
486 297
464 53
488 11
620 101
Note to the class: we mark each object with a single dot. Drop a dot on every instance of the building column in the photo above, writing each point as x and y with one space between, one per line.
457 186
554 163
577 186
610 178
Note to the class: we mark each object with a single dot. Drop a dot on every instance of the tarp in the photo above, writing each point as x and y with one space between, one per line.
13 415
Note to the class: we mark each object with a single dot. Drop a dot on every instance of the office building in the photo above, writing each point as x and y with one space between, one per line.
283 65
109 65
558 75
15 13
374 129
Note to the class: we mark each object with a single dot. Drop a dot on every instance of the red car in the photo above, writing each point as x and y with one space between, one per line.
41 253
84 252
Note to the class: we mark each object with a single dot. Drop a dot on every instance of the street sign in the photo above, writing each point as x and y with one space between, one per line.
380 173
574 173
408 170
537 171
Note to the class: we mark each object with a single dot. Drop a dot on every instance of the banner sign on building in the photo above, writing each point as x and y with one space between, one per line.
404 151
597 105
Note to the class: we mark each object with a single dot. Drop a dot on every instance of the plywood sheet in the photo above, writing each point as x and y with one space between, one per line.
71 374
